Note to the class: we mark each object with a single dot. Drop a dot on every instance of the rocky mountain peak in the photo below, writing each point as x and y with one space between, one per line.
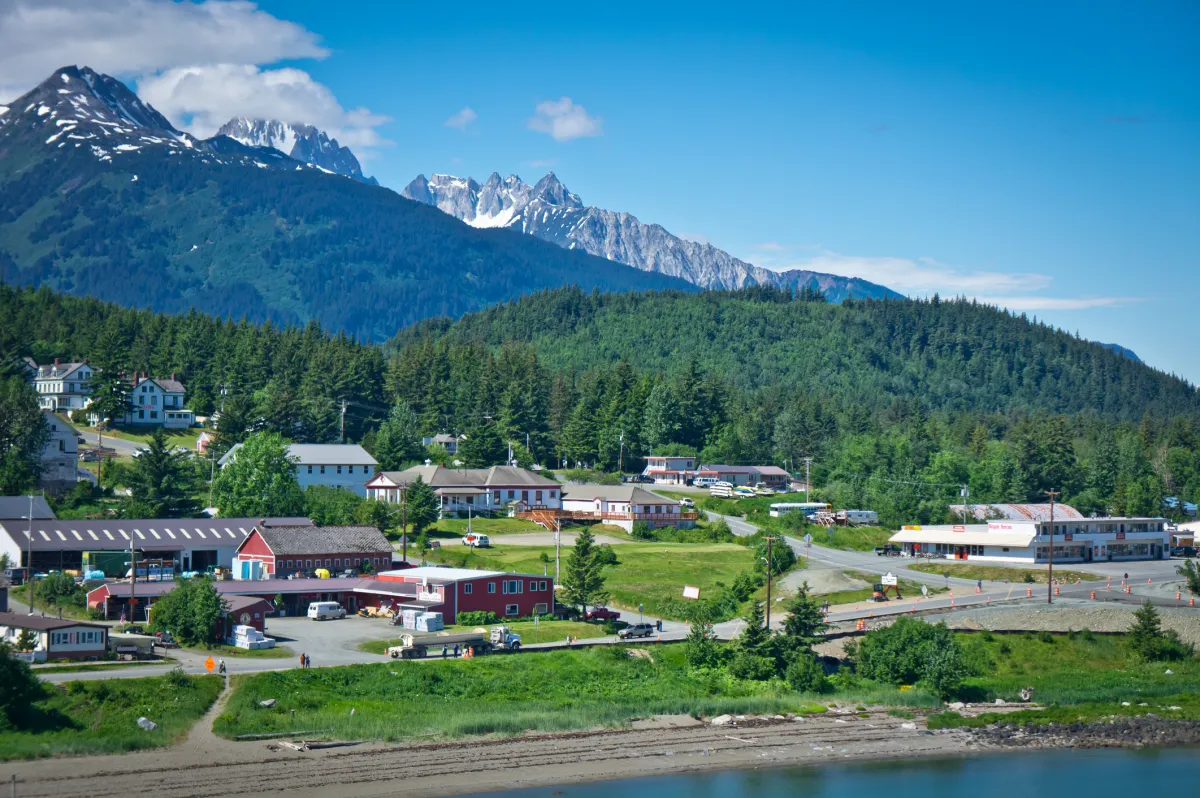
301 142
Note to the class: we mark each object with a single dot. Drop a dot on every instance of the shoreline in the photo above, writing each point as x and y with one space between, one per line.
209 766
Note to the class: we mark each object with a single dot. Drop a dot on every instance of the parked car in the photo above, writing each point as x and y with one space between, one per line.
601 614
636 630
1183 551
686 502
744 491
475 540
890 550
133 630
325 610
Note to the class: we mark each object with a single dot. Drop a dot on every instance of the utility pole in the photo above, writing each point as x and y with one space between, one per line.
557 549
29 556
404 523
965 492
807 479
343 432
133 582
621 457
770 540
1053 494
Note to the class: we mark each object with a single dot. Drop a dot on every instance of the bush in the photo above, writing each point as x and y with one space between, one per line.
1045 637
605 555
752 667
642 531
476 618
910 651
1149 642
805 675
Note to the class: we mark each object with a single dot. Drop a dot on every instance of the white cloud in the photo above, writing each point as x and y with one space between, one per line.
1018 291
462 119
202 98
137 37
563 120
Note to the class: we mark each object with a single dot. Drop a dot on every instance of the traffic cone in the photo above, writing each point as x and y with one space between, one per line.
1093 595
871 614
1192 601
1178 595
1108 586
912 608
1028 592
1056 591
951 602
1147 580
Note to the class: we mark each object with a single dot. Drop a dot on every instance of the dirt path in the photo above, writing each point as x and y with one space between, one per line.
456 767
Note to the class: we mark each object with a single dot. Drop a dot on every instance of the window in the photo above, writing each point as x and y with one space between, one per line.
153 414
339 469
141 414
308 564
537 496
468 588
287 564
513 586
525 496
337 562
326 562
496 497
540 609
357 561
553 493
62 446
512 609
491 587
310 469
322 469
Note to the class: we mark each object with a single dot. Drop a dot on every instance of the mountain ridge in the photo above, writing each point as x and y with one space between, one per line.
548 210
299 141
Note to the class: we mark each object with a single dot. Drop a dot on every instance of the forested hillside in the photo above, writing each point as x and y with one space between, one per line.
900 404
941 355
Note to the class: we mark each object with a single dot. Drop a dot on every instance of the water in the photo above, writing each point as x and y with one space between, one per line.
1056 774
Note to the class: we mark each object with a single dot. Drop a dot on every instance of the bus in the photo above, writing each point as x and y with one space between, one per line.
780 509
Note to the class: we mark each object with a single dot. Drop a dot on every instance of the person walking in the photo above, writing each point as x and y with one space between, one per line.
301 660
456 650
221 670
307 661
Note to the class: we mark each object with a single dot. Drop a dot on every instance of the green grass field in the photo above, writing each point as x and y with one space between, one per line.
1000 573
90 667
175 437
547 631
69 610
651 573
100 717
554 691
457 527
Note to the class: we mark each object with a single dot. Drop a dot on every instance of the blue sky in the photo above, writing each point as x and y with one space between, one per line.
1047 160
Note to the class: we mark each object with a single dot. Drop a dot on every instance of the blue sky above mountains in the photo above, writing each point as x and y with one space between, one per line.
1044 160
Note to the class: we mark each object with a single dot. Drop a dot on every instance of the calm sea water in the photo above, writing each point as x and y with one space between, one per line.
1055 774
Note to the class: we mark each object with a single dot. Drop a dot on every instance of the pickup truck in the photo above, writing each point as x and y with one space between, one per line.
601 614
890 550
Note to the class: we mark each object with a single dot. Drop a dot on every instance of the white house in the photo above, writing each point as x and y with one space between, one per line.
1027 540
450 442
55 639
60 458
63 387
623 505
461 491
671 470
335 465
158 403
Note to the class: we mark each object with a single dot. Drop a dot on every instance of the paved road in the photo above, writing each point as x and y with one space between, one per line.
119 445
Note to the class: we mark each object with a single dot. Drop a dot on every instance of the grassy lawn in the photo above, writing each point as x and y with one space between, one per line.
100 717
554 691
73 611
222 650
457 527
651 573
547 631
1077 676
1000 573
757 511
175 437
89 667
859 538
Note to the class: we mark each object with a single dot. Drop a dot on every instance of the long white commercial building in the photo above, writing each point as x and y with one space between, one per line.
1022 535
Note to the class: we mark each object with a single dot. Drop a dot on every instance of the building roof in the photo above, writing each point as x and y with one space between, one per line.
770 470
389 588
619 493
729 469
171 385
438 575
57 372
293 541
1020 512
497 476
240 603
17 507
39 624
317 454
443 437
972 535
163 534
256 587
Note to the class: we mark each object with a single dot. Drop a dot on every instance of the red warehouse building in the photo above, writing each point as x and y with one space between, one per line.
268 552
454 590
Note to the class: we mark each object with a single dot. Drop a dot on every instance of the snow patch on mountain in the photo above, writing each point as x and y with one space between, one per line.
301 142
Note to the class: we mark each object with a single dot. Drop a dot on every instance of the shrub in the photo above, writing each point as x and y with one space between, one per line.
805 675
642 531
909 651
1045 637
605 555
752 667
476 618
1087 636
1148 641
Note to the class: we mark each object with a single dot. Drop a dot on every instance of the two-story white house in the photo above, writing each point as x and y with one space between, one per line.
60 458
63 387
158 403
335 465
670 470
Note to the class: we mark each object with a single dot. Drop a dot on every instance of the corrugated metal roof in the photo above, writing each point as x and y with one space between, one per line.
1020 512
293 541
316 454
620 493
17 507
497 476
156 534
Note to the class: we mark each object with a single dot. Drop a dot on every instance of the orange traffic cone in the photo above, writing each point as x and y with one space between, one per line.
1093 595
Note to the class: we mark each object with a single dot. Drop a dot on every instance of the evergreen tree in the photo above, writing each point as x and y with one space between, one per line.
398 441
482 447
804 624
421 503
162 482
583 577
110 400
700 647
23 436
260 482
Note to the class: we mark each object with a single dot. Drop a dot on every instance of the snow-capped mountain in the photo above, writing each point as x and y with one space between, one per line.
551 212
301 142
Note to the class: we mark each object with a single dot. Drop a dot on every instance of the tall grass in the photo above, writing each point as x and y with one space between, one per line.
100 717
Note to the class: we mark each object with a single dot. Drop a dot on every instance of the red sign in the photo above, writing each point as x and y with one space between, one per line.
1068 536
1120 536
960 528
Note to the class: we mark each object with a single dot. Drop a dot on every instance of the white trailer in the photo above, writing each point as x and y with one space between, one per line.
478 641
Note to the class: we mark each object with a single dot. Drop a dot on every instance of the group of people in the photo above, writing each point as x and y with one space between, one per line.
305 661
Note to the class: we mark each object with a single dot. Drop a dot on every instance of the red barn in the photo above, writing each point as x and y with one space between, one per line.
268 552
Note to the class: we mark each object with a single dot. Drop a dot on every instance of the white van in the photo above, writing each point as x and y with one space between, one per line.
704 482
325 610
476 540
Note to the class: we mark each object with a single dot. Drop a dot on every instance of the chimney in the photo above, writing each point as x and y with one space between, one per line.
172 376
56 361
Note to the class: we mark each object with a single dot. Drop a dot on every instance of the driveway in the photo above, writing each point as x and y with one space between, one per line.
119 445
